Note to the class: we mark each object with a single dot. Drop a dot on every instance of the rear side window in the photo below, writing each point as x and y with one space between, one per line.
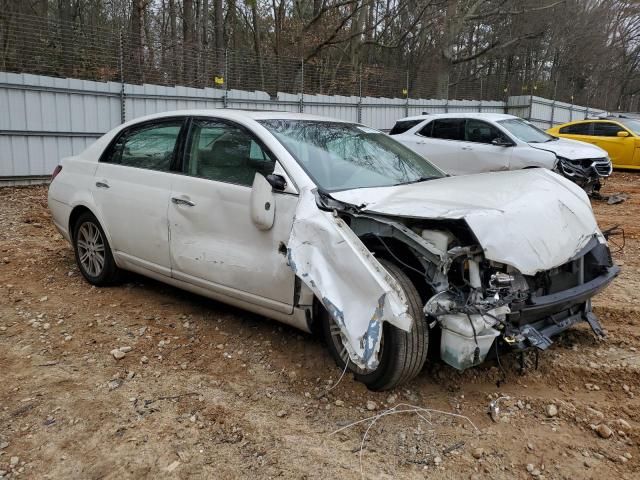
402 126
445 128
585 128
225 153
606 129
150 146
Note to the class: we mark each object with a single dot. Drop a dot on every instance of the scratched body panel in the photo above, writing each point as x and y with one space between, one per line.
355 289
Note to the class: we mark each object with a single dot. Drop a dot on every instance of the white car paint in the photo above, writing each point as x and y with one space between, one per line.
516 216
216 246
464 157
330 259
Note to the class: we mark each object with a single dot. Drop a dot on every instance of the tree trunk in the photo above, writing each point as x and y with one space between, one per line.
173 34
205 41
447 50
187 41
219 40
135 40
151 48
66 16
256 42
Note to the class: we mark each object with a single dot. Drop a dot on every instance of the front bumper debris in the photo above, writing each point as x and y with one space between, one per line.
551 315
588 173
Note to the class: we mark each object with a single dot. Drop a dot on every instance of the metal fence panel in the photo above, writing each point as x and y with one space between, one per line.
43 119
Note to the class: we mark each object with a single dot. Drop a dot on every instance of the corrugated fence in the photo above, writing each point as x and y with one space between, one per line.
43 119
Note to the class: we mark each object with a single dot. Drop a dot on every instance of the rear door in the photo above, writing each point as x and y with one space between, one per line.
214 242
441 141
132 185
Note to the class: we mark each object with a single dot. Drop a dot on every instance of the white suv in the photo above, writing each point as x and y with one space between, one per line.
462 143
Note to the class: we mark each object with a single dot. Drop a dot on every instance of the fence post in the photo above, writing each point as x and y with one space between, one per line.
553 103
586 112
301 106
359 106
406 103
571 109
530 106
123 113
225 98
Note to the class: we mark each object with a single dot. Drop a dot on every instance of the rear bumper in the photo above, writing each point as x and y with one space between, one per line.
60 213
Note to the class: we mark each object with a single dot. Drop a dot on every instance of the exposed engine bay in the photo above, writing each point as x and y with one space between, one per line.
477 303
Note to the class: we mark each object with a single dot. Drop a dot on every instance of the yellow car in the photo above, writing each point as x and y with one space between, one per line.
620 137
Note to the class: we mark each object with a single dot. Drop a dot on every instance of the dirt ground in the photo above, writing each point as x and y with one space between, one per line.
209 391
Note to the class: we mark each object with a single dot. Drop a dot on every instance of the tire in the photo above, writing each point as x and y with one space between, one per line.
402 354
92 251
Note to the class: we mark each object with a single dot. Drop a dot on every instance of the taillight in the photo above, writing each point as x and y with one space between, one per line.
55 173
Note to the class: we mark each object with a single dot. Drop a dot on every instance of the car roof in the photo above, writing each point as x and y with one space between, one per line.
591 120
233 114
481 116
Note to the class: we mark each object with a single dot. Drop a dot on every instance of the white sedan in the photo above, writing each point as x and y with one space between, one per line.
312 221
463 143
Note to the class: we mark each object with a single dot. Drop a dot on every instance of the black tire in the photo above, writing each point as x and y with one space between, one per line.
402 354
108 273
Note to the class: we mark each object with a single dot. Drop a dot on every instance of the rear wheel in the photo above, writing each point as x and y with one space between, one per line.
92 251
402 354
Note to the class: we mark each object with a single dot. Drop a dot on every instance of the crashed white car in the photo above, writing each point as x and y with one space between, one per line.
329 224
463 143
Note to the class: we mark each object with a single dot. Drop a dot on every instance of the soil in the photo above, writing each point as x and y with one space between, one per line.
209 391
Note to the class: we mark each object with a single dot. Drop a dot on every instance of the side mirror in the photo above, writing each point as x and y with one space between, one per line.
622 133
501 142
263 205
277 182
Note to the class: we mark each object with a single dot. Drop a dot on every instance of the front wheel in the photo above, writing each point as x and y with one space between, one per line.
92 251
402 354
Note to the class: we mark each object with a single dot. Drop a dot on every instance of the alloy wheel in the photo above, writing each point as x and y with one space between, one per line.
91 248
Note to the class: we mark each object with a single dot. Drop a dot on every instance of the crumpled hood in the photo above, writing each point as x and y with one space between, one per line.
533 219
571 149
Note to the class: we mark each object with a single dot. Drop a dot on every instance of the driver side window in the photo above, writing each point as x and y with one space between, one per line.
225 153
481 132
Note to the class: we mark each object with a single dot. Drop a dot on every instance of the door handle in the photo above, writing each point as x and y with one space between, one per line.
467 148
182 201
102 184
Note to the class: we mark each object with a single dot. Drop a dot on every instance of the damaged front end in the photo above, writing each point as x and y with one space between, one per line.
475 301
587 173
521 311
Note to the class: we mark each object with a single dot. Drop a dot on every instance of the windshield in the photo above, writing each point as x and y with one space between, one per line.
342 156
525 131
631 124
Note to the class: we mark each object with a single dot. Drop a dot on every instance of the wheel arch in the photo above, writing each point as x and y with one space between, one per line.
74 215
77 210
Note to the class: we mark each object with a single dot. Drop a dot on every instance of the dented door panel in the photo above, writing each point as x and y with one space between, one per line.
215 244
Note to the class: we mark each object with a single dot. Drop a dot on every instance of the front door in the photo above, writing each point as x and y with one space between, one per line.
213 241
482 154
131 188
620 149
